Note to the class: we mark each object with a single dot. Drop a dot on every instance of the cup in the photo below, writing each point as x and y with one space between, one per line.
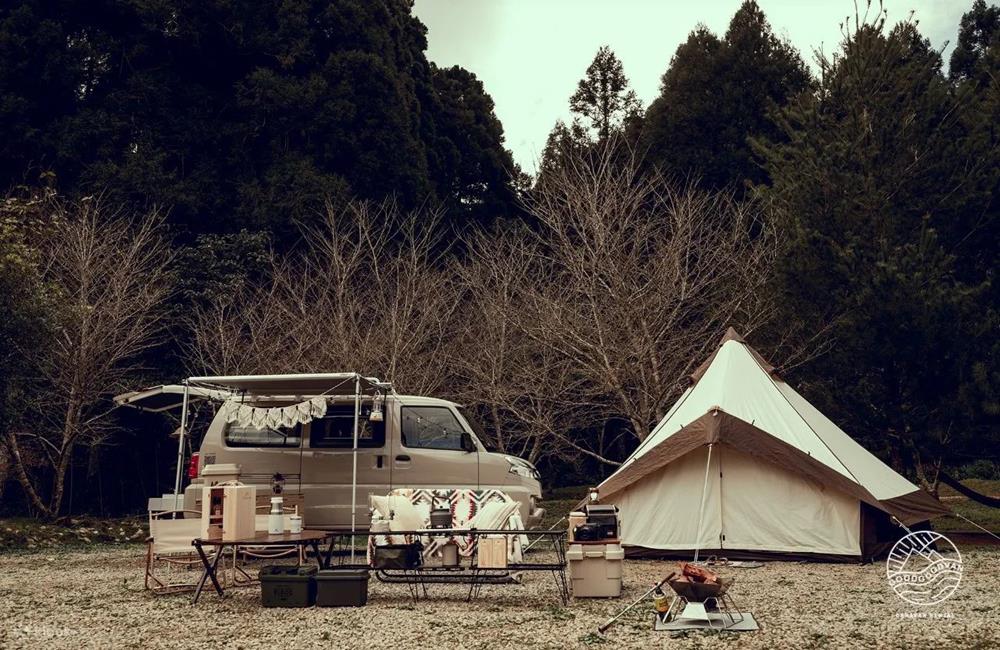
295 523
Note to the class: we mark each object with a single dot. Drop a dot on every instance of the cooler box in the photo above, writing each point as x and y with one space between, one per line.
595 570
288 586
342 588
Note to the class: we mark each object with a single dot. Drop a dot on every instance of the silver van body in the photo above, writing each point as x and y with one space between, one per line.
418 443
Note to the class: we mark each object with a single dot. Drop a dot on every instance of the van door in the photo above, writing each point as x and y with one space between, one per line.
428 450
327 466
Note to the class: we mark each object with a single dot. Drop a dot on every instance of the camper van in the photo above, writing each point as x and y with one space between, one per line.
404 441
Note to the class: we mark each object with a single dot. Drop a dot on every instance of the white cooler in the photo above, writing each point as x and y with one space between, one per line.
595 570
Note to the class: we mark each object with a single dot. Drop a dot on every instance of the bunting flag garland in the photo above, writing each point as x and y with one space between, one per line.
277 417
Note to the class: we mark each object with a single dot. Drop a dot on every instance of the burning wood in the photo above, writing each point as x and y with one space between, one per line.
697 583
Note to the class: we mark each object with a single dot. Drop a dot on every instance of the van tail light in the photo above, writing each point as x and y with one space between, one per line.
193 466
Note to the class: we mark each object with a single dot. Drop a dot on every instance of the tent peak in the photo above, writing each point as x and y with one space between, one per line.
732 335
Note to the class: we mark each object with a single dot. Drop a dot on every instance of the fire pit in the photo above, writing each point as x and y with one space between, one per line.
702 600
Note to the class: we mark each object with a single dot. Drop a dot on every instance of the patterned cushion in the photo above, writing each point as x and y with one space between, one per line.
465 505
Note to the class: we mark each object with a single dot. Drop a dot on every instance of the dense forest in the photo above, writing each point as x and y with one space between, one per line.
221 187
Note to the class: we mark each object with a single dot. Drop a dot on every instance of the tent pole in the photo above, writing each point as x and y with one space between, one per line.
354 461
180 443
701 510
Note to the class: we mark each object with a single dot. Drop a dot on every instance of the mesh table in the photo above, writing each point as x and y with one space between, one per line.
468 573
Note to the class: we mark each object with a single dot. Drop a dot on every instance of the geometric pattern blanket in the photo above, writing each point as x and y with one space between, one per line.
464 505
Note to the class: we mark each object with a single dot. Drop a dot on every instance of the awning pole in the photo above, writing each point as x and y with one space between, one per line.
701 510
180 443
354 468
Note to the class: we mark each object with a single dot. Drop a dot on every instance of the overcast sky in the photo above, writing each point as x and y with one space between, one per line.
530 53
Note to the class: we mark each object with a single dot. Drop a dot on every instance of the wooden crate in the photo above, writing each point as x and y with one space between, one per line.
228 512
492 552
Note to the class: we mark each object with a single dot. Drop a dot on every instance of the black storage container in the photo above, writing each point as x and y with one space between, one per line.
587 533
288 586
605 517
397 556
342 588
440 518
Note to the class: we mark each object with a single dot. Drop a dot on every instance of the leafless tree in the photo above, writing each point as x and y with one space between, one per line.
370 292
640 278
528 395
599 313
593 316
108 270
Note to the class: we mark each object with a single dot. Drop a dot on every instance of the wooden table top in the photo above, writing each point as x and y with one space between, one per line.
267 539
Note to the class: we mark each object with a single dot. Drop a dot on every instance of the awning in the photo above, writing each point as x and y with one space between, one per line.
157 399
305 385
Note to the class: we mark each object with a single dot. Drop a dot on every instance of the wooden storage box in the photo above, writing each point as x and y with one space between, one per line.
227 512
492 552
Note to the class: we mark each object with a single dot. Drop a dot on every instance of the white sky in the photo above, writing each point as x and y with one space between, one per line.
530 54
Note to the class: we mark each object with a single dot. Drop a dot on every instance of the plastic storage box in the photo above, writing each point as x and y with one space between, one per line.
596 570
397 556
288 586
342 588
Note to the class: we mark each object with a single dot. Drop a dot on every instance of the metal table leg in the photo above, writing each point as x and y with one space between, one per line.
314 545
209 571
328 561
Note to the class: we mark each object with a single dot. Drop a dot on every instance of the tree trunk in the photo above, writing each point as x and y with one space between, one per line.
59 480
497 429
71 427
22 476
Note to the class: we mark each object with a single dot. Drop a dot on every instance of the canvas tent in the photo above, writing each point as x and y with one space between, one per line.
742 465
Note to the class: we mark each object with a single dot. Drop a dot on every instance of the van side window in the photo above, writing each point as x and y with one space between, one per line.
431 427
267 437
335 430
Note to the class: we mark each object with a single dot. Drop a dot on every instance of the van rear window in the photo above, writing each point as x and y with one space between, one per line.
253 437
335 430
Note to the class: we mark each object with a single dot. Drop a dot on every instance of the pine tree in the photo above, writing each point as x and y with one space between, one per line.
718 93
978 48
874 185
243 115
603 97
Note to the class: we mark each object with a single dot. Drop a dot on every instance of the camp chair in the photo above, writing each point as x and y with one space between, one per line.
169 547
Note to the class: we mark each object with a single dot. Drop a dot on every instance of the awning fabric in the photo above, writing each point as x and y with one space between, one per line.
157 399
330 383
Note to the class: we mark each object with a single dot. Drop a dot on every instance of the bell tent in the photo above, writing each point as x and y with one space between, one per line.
743 466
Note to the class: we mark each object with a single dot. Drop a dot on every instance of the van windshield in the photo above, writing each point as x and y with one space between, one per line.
477 426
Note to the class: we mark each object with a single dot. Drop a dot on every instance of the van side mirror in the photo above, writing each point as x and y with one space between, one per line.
468 444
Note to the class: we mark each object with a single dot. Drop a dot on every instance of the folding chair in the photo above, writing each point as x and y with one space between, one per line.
169 547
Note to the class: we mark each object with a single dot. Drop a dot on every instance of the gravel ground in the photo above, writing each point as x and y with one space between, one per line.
95 598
